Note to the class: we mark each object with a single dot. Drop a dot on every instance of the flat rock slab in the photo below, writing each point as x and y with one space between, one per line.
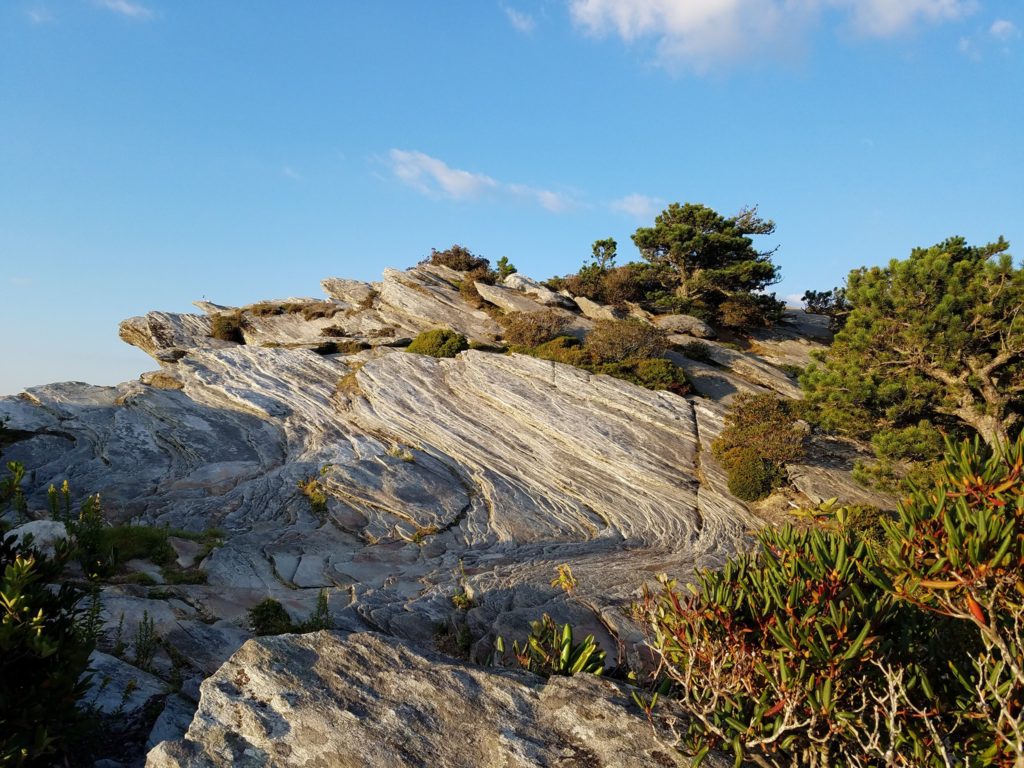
367 700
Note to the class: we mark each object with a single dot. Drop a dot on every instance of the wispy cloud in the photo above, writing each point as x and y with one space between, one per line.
290 173
127 8
1004 30
39 15
523 22
435 178
637 206
703 33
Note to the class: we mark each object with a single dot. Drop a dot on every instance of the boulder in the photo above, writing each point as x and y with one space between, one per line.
354 292
544 295
118 687
45 534
368 700
685 324
508 299
596 311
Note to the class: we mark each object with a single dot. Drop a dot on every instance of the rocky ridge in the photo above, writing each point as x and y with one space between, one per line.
475 475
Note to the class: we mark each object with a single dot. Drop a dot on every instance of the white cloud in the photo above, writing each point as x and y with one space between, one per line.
701 33
1004 30
638 206
523 22
39 15
435 178
288 172
882 18
126 8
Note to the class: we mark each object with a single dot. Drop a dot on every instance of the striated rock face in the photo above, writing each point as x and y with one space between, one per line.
476 475
365 700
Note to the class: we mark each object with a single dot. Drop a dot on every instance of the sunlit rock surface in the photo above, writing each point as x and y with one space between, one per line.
365 700
475 475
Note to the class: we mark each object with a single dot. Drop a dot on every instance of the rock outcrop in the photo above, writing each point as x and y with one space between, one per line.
366 700
476 475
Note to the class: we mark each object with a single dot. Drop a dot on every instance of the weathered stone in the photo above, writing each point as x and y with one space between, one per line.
687 324
596 311
45 534
367 700
118 687
354 292
544 295
508 299
173 721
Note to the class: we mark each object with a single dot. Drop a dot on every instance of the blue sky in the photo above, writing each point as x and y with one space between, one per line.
153 152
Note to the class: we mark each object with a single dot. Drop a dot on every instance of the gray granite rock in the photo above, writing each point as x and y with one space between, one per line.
366 700
45 534
118 687
541 294
596 311
686 324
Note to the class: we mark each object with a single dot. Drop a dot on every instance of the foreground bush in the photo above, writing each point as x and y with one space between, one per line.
45 642
440 342
825 649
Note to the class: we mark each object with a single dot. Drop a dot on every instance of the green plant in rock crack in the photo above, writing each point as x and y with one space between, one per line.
551 650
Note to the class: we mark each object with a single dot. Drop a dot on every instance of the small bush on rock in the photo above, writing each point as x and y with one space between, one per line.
529 329
440 342
270 618
762 427
653 373
227 326
750 477
550 650
458 258
697 350
613 341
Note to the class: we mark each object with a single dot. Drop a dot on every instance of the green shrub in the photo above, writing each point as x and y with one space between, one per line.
828 647
760 427
613 341
185 575
270 618
561 349
550 650
505 268
458 258
320 618
45 642
440 342
227 326
653 373
528 329
749 476
143 542
773 653
347 347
